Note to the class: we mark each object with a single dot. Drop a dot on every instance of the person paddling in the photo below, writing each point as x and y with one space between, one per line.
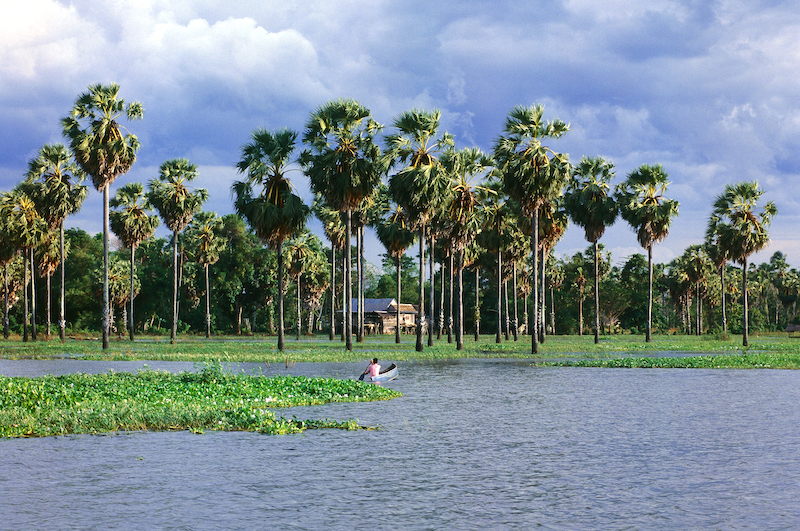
374 369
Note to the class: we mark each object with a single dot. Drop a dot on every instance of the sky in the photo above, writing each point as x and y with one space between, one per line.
708 89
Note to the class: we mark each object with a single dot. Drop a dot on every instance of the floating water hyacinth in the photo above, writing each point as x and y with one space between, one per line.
152 400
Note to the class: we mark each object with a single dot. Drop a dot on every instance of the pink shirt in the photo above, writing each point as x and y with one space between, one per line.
374 369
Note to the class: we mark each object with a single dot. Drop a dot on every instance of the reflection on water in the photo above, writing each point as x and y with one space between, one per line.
472 444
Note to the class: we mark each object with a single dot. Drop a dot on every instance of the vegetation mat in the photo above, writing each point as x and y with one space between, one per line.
154 400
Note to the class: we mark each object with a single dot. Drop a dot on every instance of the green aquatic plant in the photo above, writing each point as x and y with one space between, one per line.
154 400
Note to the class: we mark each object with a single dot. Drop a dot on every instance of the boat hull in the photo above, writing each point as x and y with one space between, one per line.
387 375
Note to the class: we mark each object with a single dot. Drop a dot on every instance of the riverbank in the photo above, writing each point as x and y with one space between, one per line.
777 350
210 399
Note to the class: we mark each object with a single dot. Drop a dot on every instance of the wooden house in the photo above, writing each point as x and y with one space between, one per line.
380 316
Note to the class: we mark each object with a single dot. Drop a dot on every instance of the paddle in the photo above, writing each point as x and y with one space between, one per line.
361 378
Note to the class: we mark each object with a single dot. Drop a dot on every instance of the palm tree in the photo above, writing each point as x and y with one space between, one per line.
421 186
48 257
344 164
741 229
395 233
205 231
719 258
553 221
643 205
300 253
464 166
8 251
276 213
132 224
53 179
103 152
697 265
532 173
590 205
176 204
26 229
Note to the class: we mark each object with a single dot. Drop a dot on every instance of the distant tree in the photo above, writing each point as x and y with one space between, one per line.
176 203
103 152
276 213
591 206
205 236
53 182
741 226
532 174
395 233
421 185
132 224
344 164
643 205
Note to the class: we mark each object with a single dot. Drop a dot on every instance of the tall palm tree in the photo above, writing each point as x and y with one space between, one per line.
395 233
591 205
344 164
132 224
276 213
719 258
176 203
53 180
741 225
464 167
421 186
26 229
103 152
643 205
205 232
532 173
698 265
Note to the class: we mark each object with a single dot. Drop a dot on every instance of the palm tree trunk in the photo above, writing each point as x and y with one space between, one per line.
131 333
6 331
332 333
299 309
440 328
208 305
450 278
47 313
722 282
397 327
280 297
542 307
348 282
516 306
360 288
104 322
534 247
745 319
698 304
477 309
421 316
552 311
505 310
596 296
649 334
460 304
174 331
33 297
25 290
432 287
497 337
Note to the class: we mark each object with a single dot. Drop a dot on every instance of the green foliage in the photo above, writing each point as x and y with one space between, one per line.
149 400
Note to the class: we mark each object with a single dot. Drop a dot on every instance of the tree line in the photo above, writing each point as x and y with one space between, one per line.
497 215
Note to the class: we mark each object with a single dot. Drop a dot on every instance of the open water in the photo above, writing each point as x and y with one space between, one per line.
472 444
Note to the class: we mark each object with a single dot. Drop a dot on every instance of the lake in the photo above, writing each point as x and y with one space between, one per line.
472 444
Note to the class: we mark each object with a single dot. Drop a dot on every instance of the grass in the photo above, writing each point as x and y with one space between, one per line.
153 400
320 349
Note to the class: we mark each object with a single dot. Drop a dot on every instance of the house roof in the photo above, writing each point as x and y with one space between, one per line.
382 306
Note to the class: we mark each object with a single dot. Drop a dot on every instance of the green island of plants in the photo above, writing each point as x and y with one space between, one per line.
158 401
